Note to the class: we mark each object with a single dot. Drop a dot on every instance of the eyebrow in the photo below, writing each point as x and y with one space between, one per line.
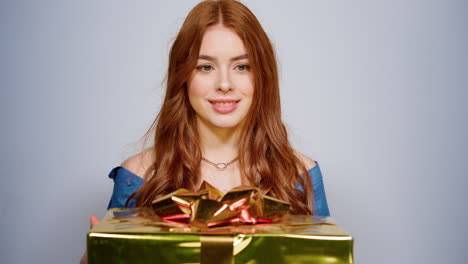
210 58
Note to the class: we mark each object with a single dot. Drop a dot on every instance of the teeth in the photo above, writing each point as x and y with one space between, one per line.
224 103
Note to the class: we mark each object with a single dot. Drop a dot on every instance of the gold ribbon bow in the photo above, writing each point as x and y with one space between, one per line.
209 207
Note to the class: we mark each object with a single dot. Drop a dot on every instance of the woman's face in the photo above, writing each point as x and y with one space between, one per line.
221 86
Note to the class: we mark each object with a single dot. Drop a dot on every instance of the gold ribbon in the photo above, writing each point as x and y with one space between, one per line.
217 249
209 207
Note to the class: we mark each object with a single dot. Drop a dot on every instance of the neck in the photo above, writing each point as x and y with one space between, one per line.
218 144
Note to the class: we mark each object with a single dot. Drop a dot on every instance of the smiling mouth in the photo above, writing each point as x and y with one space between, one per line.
224 106
224 103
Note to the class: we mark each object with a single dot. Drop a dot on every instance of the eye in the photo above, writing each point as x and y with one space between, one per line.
243 67
205 68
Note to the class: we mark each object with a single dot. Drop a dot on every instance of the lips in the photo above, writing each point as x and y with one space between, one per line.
224 105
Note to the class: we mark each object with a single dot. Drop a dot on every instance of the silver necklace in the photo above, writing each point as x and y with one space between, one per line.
222 165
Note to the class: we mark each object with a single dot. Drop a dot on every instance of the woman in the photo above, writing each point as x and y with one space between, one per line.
221 119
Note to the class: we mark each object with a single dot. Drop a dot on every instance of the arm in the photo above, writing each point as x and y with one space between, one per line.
127 178
320 205
125 183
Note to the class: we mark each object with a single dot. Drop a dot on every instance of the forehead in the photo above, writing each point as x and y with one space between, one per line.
220 41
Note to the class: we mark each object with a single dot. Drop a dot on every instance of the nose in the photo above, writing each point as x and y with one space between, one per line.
224 82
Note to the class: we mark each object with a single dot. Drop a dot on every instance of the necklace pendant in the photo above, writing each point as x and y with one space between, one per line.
221 166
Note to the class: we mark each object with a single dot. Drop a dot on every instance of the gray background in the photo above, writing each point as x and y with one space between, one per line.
373 90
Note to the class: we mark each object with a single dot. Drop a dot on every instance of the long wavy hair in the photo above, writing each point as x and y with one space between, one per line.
266 157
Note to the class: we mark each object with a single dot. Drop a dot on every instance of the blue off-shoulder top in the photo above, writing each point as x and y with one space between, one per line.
126 183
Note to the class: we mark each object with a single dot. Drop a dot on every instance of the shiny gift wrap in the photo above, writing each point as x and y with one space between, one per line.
209 207
140 236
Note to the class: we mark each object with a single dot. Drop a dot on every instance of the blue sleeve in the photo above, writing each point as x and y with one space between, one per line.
125 184
320 204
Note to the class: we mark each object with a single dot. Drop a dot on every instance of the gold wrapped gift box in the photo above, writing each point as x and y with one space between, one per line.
140 236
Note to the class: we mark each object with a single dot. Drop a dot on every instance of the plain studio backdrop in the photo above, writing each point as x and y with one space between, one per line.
375 91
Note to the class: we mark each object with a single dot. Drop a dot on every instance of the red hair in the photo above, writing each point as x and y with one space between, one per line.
266 157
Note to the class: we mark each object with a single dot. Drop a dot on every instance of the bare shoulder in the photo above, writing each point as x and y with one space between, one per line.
139 163
308 162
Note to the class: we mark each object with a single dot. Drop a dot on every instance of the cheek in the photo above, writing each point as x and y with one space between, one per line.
196 89
249 90
246 85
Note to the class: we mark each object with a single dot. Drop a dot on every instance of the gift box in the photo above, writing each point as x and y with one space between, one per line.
139 235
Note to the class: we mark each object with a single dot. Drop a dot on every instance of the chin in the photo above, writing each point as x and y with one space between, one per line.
226 124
